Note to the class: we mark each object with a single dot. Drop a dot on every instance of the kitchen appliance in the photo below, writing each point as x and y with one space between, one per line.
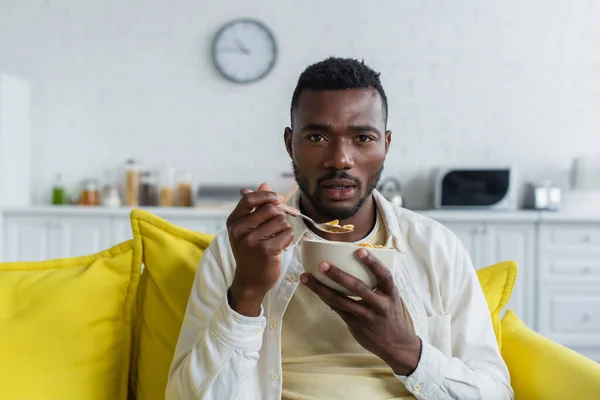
390 189
543 196
219 194
476 188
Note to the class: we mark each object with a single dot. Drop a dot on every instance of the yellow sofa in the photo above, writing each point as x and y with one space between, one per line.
108 332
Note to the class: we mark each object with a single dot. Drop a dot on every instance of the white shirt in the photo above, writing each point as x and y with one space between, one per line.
223 355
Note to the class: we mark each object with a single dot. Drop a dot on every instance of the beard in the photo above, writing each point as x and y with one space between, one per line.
336 212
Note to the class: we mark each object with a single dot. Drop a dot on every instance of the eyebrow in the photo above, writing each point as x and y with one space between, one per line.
327 128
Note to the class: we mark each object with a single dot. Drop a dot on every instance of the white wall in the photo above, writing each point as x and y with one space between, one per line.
468 81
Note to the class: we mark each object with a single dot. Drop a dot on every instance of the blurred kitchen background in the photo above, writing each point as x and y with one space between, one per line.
493 108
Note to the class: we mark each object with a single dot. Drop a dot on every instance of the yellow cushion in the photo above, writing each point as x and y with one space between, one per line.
170 256
66 326
497 282
542 369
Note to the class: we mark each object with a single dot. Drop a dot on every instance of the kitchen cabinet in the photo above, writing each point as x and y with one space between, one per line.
30 239
569 285
557 292
121 226
472 235
204 225
517 242
36 238
491 242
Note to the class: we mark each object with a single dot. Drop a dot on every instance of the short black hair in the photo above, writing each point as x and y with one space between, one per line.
336 73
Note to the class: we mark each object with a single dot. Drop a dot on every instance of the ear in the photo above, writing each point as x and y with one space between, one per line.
287 138
388 140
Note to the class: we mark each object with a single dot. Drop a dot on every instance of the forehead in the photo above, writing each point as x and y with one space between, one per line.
340 107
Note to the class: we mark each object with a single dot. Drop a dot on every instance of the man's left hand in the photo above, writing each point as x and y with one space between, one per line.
378 321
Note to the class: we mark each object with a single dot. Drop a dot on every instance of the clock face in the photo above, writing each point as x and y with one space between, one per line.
244 51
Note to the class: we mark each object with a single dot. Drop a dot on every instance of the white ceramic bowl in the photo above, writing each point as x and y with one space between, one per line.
343 256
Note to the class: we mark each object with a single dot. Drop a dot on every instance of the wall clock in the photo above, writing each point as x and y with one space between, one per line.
244 50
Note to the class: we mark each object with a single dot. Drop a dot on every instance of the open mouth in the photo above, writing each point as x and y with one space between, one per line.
339 189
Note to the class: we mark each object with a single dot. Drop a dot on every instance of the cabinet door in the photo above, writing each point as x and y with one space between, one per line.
516 242
84 235
204 225
31 239
569 313
120 230
472 236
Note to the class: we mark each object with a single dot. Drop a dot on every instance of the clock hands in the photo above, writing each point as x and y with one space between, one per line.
241 46
238 48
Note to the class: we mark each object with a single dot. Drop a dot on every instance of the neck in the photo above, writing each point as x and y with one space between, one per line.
363 221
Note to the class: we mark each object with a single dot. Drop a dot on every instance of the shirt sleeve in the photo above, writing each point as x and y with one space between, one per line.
475 369
217 347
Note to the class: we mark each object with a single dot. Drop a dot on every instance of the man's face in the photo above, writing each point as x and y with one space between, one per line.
338 146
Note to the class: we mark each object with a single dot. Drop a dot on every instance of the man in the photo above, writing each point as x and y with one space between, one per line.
258 327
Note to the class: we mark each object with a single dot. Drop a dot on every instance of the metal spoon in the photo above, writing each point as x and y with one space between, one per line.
323 227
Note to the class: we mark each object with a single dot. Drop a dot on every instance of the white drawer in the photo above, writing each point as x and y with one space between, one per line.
570 267
575 313
570 314
565 236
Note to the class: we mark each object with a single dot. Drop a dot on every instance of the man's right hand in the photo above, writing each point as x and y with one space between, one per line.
258 233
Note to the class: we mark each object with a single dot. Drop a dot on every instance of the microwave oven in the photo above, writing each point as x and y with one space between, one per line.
476 188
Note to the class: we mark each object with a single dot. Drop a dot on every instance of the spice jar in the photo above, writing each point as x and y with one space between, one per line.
148 189
184 190
89 193
167 187
58 192
132 183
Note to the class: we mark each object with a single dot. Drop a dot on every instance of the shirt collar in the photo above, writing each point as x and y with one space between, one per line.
388 217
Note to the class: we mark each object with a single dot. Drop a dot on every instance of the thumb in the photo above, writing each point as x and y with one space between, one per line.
264 187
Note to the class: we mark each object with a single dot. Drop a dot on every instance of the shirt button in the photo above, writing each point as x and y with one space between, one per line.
292 278
274 377
418 388
273 325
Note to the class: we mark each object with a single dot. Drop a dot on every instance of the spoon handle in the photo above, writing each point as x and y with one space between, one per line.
289 209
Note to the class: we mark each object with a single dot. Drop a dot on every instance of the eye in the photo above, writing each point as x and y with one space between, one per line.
316 138
364 138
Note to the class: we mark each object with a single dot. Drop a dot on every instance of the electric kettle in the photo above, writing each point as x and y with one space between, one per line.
390 189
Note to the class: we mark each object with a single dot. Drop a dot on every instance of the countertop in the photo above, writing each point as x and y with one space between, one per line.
223 210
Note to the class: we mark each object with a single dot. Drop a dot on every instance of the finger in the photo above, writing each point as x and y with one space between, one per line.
274 245
250 222
250 201
335 299
353 284
347 317
269 229
264 187
280 241
385 280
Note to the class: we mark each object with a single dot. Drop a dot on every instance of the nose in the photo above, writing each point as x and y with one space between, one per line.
340 156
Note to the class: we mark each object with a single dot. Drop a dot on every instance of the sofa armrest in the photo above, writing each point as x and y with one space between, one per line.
543 369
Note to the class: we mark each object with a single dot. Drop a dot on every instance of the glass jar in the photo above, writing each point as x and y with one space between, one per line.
148 189
184 190
167 187
90 195
132 183
59 196
111 197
